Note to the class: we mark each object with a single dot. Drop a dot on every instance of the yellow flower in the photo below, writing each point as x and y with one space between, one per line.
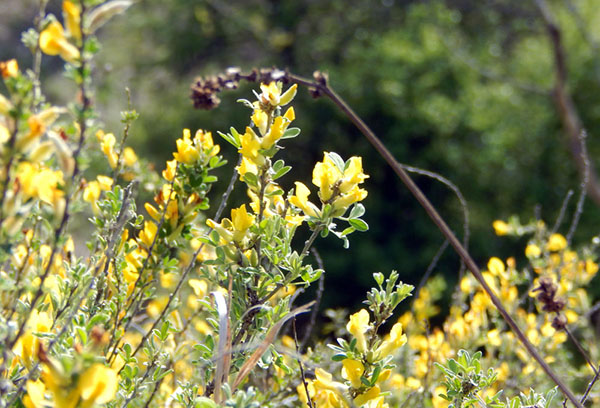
107 146
300 200
156 306
53 42
260 120
205 141
148 233
325 391
343 184
358 326
413 383
501 228
72 17
496 267
352 371
91 194
172 213
532 251
168 280
493 337
250 145
325 176
199 286
105 182
236 228
353 174
169 172
40 182
28 344
9 69
436 400
129 156
247 166
279 126
556 242
152 211
363 398
271 94
466 285
5 107
97 385
241 221
35 394
186 151
345 200
396 340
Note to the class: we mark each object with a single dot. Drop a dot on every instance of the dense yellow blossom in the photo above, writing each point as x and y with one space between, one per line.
54 42
358 326
40 182
72 18
501 227
9 69
556 242
396 340
97 385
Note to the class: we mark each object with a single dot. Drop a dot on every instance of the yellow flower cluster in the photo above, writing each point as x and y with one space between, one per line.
357 368
338 186
256 148
96 385
55 41
191 151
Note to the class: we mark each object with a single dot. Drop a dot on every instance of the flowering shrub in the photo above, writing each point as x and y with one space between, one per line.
177 305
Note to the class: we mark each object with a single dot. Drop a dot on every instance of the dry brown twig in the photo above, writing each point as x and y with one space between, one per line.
566 107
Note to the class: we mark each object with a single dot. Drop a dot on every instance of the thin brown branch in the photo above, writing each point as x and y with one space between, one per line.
304 383
566 107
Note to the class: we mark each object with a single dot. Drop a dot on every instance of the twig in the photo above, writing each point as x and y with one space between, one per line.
456 191
308 399
315 310
565 105
584 184
589 387
579 347
562 212
430 268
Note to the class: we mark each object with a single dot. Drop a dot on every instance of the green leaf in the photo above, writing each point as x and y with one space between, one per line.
230 139
375 375
337 160
339 357
359 224
347 231
357 210
251 179
281 172
310 276
290 133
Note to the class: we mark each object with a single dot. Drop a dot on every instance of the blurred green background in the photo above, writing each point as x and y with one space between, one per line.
462 88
